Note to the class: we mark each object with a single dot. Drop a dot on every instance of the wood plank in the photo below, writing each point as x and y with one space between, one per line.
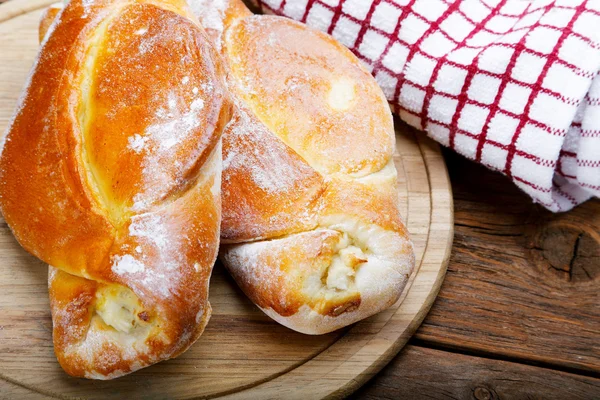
10 391
421 373
508 289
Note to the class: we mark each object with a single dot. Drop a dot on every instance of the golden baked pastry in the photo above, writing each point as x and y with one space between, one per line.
111 173
311 228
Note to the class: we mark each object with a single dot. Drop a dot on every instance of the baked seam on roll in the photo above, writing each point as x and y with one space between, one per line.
311 228
111 172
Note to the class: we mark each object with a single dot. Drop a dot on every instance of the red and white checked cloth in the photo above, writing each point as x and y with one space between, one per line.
511 84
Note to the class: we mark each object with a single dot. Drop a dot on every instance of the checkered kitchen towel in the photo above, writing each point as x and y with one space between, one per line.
511 84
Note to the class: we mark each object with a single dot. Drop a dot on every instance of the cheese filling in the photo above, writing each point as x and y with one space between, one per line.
344 264
120 308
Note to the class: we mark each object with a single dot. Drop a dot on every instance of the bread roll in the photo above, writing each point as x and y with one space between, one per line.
311 225
111 173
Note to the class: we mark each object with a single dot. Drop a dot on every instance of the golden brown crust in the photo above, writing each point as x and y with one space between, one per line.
312 93
370 202
274 273
111 173
307 166
146 85
268 190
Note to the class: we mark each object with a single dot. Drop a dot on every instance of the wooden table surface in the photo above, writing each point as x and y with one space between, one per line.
518 315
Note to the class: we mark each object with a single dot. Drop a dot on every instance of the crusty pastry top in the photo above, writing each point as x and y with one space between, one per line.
307 112
311 226
307 92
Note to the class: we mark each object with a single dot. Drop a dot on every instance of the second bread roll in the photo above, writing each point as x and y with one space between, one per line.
311 227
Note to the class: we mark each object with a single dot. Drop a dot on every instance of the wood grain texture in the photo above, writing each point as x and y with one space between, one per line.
421 373
242 352
522 282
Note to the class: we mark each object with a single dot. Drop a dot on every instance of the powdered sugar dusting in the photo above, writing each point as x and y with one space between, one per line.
247 263
172 126
87 5
136 142
211 14
158 282
151 229
285 188
275 173
126 264
131 346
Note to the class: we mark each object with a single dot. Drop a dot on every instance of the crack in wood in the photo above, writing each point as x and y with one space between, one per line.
565 249
486 354
575 250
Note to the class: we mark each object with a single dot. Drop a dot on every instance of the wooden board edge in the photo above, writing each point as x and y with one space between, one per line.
12 9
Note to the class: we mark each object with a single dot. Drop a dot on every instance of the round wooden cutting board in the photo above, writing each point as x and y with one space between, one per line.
242 354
